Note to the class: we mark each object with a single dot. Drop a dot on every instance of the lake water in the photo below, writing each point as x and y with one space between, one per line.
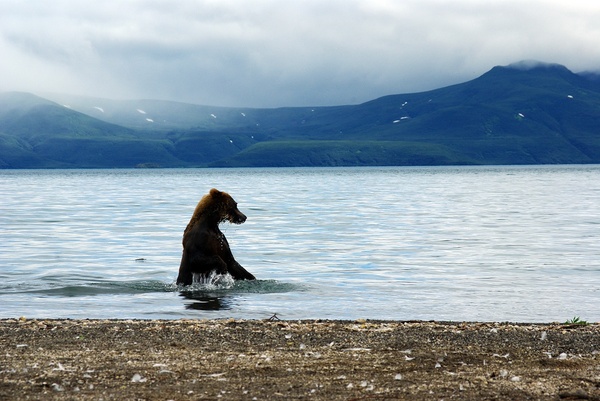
439 243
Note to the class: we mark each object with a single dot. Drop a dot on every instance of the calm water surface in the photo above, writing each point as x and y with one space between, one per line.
447 243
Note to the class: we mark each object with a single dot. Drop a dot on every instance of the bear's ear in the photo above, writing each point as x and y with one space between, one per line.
215 192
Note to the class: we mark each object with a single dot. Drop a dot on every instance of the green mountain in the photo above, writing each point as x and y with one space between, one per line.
519 114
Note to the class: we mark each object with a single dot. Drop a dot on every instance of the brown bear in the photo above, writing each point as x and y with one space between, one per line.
205 248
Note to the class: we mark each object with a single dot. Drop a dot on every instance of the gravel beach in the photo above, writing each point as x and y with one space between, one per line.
277 359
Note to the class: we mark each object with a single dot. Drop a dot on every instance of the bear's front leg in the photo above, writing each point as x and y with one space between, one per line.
238 272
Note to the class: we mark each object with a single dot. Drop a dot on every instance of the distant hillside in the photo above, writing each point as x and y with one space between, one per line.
37 133
519 114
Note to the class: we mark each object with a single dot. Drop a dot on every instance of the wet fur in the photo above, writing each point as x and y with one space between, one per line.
205 248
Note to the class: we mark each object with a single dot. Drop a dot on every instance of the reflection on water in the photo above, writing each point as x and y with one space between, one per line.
207 301
447 243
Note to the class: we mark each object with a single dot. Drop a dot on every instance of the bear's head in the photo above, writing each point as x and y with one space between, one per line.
217 207
226 207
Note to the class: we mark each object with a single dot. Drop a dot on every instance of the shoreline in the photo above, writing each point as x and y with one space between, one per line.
310 359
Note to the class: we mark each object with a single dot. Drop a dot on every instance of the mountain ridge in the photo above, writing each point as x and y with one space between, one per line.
523 113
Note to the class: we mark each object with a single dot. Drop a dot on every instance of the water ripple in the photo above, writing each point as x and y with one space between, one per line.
453 243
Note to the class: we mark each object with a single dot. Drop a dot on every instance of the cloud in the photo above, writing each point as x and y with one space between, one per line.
269 53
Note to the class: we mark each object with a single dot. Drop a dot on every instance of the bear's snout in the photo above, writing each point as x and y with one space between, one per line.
237 217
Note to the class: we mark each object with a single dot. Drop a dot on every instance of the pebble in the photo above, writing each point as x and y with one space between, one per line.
137 378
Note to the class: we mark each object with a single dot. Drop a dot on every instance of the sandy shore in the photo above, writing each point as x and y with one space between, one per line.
320 360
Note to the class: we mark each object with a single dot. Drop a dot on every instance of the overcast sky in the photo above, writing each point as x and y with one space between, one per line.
271 53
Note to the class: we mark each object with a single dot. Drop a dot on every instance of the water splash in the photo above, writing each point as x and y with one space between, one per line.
225 283
214 281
